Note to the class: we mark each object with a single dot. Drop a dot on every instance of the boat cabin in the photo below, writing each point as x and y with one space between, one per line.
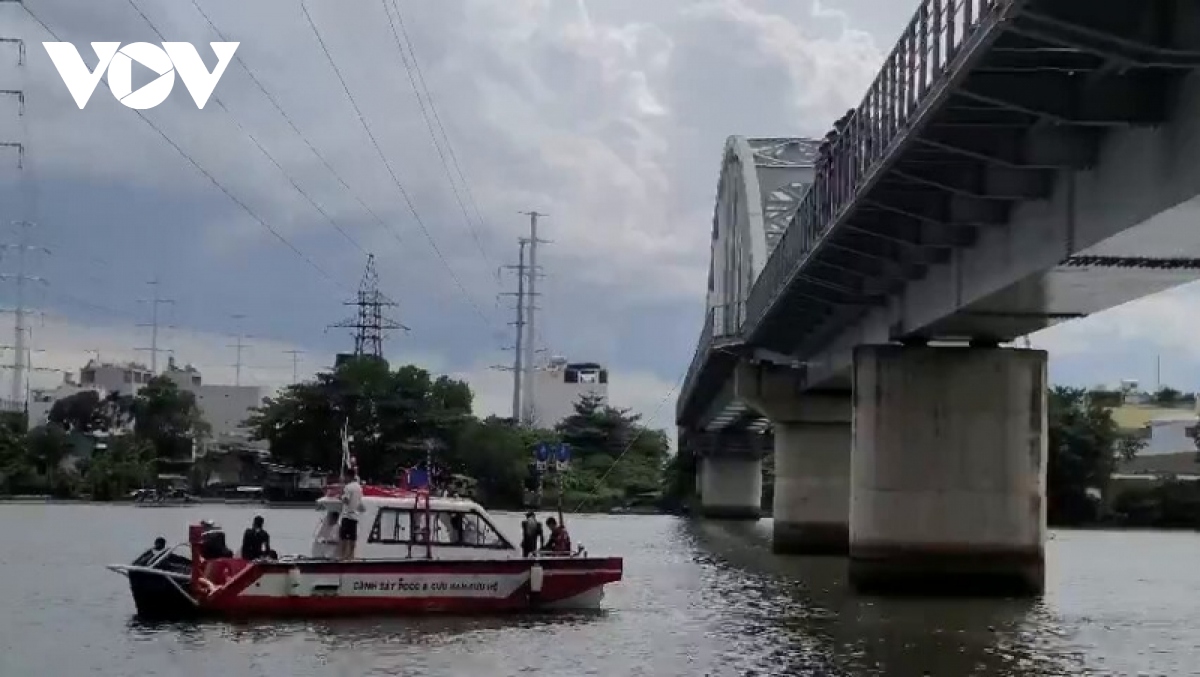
402 525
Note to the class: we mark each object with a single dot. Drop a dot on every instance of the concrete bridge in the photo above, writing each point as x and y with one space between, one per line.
1015 164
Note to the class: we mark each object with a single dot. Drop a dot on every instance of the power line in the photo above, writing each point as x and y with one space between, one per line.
429 124
261 148
275 102
392 172
437 118
200 168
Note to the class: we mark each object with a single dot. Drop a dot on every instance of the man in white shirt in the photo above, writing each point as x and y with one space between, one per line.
352 507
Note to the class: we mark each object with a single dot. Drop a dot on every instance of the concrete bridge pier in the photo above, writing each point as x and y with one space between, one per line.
729 476
948 473
811 507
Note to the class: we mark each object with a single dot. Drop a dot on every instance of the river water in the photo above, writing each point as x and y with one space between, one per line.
698 599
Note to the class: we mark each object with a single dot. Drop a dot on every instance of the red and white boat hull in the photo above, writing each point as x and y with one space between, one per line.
316 588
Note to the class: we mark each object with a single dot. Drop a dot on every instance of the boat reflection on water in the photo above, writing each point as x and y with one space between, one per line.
363 632
802 611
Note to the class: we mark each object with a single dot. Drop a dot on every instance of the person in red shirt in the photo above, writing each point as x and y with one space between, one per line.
560 540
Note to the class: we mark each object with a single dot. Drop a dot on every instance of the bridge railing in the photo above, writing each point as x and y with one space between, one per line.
702 348
721 322
920 62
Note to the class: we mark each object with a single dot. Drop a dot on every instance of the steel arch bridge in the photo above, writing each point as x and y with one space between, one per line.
761 185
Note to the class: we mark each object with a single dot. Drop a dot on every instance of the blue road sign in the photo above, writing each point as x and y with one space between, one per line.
542 452
564 452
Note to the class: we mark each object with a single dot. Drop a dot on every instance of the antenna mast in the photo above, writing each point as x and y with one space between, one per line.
369 323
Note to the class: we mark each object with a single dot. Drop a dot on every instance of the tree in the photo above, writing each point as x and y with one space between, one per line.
1084 447
1166 396
391 417
125 464
167 417
615 458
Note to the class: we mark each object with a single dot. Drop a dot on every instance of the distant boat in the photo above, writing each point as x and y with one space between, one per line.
152 498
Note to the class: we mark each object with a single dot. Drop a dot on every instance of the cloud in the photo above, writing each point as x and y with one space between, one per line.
1152 340
609 116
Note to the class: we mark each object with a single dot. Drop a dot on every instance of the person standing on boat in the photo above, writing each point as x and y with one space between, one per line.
256 542
559 541
532 536
352 507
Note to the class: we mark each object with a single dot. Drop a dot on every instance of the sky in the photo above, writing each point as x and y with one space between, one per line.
255 213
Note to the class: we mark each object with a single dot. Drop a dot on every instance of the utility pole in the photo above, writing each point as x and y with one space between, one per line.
295 364
530 394
154 302
518 347
239 346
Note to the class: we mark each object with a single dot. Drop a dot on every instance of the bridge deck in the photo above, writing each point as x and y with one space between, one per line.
977 109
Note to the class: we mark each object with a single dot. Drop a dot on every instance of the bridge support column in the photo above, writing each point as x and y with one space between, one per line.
812 460
812 488
731 487
949 470
730 476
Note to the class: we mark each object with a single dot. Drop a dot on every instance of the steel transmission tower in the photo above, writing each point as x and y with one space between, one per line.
155 325
12 103
369 323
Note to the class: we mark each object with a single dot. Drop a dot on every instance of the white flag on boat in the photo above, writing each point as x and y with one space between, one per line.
347 459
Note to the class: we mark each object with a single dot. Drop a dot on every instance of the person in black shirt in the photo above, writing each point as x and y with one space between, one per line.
256 542
145 558
532 536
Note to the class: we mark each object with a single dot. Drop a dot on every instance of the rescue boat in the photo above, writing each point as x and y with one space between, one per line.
415 554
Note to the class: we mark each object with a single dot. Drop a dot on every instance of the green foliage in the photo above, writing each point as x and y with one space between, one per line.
1084 446
126 464
391 416
167 417
165 420
615 459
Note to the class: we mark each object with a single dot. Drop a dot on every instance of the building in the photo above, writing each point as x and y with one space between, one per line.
560 385
225 407
124 378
